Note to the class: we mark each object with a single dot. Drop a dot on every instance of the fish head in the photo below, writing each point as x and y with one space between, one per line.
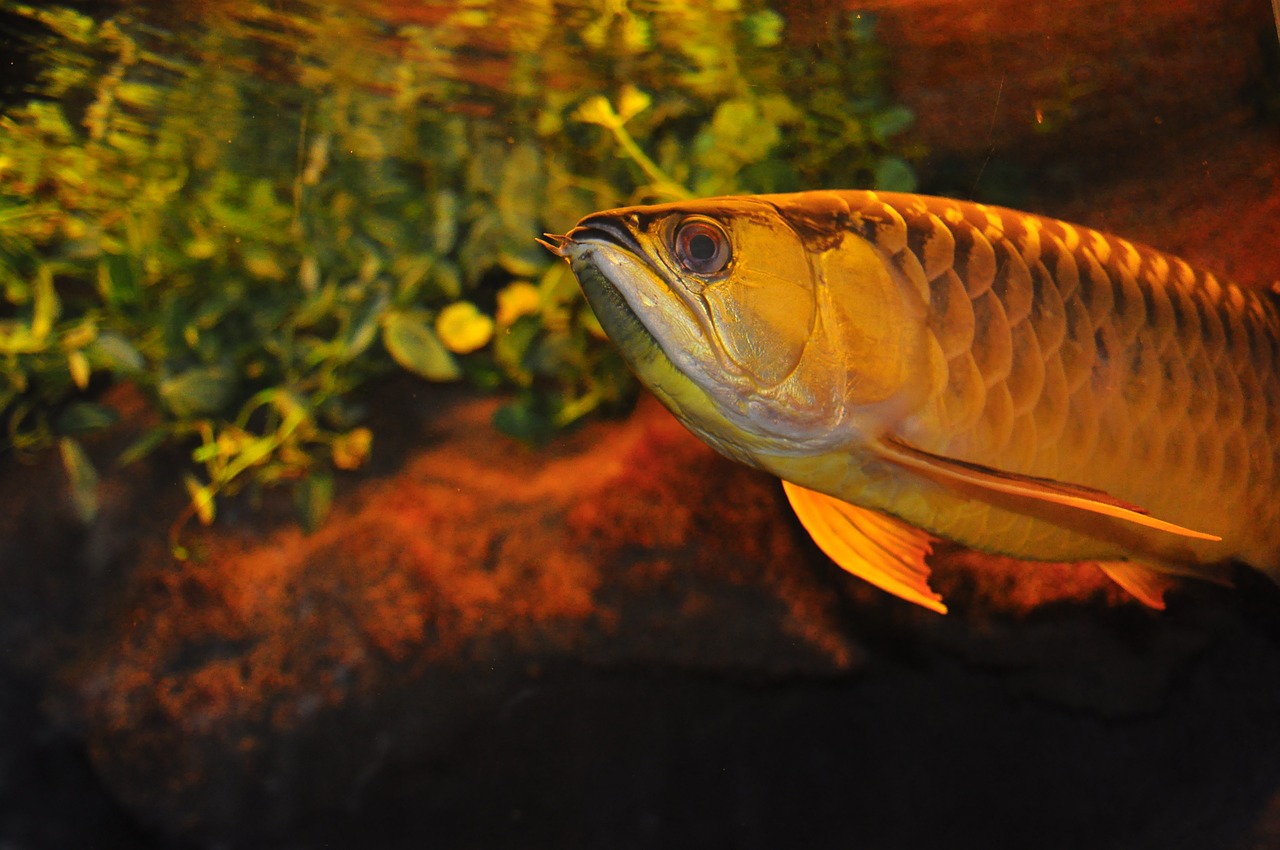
761 336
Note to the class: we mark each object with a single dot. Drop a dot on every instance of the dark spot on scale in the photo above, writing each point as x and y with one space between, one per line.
1148 300
964 246
1088 283
1121 303
1199 300
821 233
1179 307
820 221
1228 332
1139 354
1100 344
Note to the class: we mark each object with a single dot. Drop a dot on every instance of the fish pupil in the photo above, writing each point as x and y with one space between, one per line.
702 247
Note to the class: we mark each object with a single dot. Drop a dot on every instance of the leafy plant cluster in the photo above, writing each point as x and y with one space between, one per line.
252 219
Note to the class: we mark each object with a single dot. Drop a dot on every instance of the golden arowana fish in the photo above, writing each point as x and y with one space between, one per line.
916 368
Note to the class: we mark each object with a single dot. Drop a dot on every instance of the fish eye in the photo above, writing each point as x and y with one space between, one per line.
702 246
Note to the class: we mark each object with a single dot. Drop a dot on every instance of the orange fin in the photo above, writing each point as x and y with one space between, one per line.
973 476
880 549
1144 583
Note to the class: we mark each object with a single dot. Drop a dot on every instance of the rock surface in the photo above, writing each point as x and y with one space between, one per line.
433 596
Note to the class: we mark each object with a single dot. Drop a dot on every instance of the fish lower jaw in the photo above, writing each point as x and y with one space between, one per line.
727 447
787 428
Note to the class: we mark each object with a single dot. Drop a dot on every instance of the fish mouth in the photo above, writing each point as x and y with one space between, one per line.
615 314
601 228
604 228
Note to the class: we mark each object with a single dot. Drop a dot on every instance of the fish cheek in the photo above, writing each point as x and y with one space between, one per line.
763 323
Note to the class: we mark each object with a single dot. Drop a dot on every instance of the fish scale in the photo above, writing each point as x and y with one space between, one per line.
1102 362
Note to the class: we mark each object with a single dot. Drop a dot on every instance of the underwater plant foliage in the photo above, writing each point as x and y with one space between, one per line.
253 220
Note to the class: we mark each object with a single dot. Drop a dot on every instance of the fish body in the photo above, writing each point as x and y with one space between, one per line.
916 368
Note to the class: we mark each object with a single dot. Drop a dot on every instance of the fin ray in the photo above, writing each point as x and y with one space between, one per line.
879 549
1143 582
957 473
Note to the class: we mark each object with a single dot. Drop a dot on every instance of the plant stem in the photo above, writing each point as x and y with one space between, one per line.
659 177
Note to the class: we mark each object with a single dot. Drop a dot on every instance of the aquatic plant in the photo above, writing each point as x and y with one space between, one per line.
254 218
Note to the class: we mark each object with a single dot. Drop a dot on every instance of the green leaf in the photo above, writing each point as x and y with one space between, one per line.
526 418
894 174
316 307
739 133
764 28
412 270
446 279
143 446
198 391
118 280
387 231
83 478
84 416
113 352
444 227
364 330
411 343
891 121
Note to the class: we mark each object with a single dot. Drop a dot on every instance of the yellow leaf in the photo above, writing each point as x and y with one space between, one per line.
597 110
79 366
463 328
309 274
351 450
631 102
46 306
72 227
201 498
519 299
200 248
79 336
264 266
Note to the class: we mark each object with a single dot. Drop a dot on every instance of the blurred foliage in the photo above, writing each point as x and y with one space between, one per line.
252 218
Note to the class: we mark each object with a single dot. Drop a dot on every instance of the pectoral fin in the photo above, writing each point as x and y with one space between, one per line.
973 477
880 549
1144 583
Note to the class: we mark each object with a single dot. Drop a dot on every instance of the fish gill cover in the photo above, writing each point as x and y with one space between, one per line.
249 212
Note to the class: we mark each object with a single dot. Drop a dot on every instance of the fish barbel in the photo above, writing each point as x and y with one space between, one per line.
916 368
